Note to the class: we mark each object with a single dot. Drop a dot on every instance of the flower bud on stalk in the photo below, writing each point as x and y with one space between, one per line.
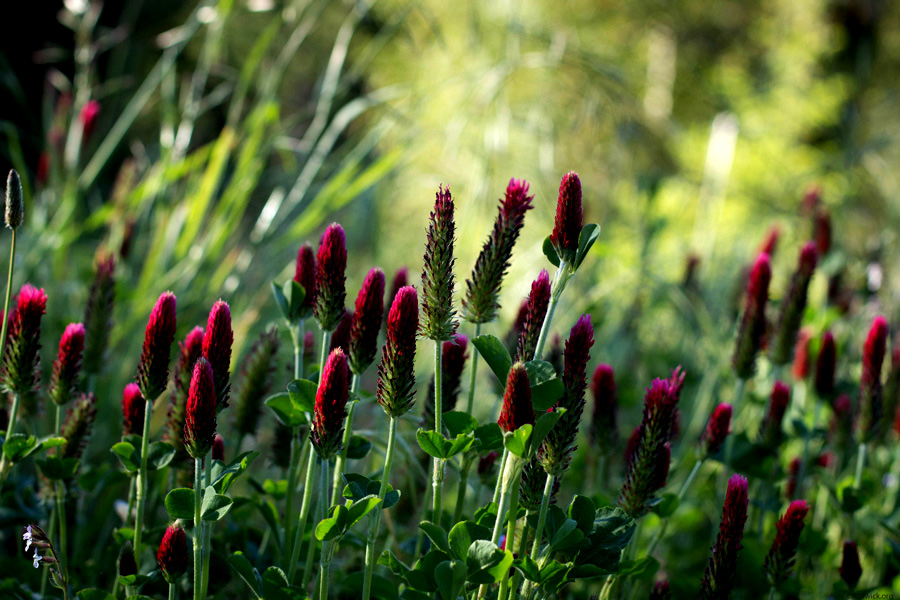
770 242
132 410
200 418
305 275
125 564
88 117
567 226
753 322
153 370
331 278
78 426
822 231
770 432
218 448
535 311
23 340
438 322
717 429
366 321
801 365
603 432
825 365
340 338
453 362
850 569
190 350
870 408
217 341
396 372
172 555
781 556
401 280
67 366
718 580
98 314
483 287
331 405
254 382
15 201
793 305
517 409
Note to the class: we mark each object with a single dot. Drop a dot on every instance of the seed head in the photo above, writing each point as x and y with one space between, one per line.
200 414
567 226
15 202
133 410
718 580
517 409
850 569
825 364
870 397
396 373
753 321
717 429
255 380
98 313
20 358
217 341
330 277
781 555
67 366
793 305
172 555
535 311
331 403
305 275
367 321
153 370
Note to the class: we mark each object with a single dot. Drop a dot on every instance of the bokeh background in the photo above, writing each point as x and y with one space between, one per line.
202 143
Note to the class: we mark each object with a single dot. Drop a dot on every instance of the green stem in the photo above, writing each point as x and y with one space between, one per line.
542 517
523 548
324 577
294 464
860 463
375 521
560 279
321 513
341 461
511 530
141 489
504 458
304 513
171 591
462 489
772 593
507 477
474 375
61 511
437 478
207 533
325 561
681 493
5 465
198 530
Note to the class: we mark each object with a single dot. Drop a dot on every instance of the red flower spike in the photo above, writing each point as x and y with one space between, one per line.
842 421
802 361
753 321
631 445
770 432
661 469
153 370
793 305
172 555
401 280
78 426
340 337
770 243
811 199
790 488
88 117
660 590
189 351
309 343
850 570
870 392
217 342
822 231
717 429
305 275
567 226
438 322
780 559
252 386
133 410
825 365
396 372
331 265
718 580
200 419
218 448
367 321
23 340
66 367
603 430
331 403
516 410
535 311
98 314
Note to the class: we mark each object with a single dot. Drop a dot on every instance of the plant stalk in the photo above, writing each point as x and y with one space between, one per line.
511 530
61 511
542 516
141 487
207 532
437 478
304 513
341 461
198 531
681 493
5 465
474 376
375 520
560 279
171 591
860 464
294 465
462 489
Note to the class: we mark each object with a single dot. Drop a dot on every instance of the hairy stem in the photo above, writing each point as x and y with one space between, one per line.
474 374
375 520
461 490
294 465
141 484
437 478
511 530
304 513
542 516
198 531
560 279
341 460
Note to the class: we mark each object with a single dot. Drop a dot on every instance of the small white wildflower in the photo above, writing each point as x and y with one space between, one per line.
37 559
27 536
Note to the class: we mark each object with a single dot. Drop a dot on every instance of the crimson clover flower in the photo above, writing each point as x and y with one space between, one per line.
218 448
78 425
66 367
718 580
396 373
717 429
567 226
98 314
331 403
517 409
769 243
133 410
822 231
753 322
825 364
331 265
793 305
217 341
870 400
438 316
535 311
800 366
255 380
770 432
401 280
200 412
603 431
172 555
850 569
18 373
305 275
153 370
367 321
781 555
189 351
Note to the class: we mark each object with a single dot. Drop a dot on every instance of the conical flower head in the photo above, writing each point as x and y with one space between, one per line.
189 351
567 226
793 305
331 277
218 448
781 555
15 202
753 321
842 420
517 409
67 366
850 570
770 242
438 316
79 425
217 341
153 370
401 280
822 231
535 311
172 556
825 365
133 410
367 321
870 408
717 429
531 489
98 314
254 382
331 403
718 580
483 287
802 360
200 414
770 432
603 432
23 340
556 451
396 372
305 275
340 337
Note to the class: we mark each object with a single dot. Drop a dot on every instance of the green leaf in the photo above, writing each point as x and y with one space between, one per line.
276 489
159 455
582 510
528 568
269 513
393 563
18 445
450 577
223 477
542 426
180 503
334 526
356 486
490 437
134 580
459 423
460 443
214 506
422 575
437 535
303 394
294 294
517 441
486 562
382 588
275 586
546 394
285 410
851 500
550 252
431 442
127 455
56 468
245 571
643 568
666 506
358 447
495 355
361 508
589 235
463 534
281 301
94 594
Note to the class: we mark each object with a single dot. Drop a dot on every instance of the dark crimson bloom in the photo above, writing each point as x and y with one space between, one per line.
15 202
790 488
554 355
826 460
603 432
535 311
172 555
367 321
660 473
780 559
567 226
822 231
340 337
217 341
802 361
717 429
531 489
453 362
793 305
200 414
78 426
438 322
190 350
66 367
396 373
309 343
255 380
400 281
850 569
218 448
331 404
305 275
331 278
842 420
825 364
556 451
512 336
646 449
19 370
691 265
153 370
133 410
753 321
516 410
483 288
770 242
676 380
870 399
718 580
770 431
660 590
98 313
88 117
126 565
811 199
